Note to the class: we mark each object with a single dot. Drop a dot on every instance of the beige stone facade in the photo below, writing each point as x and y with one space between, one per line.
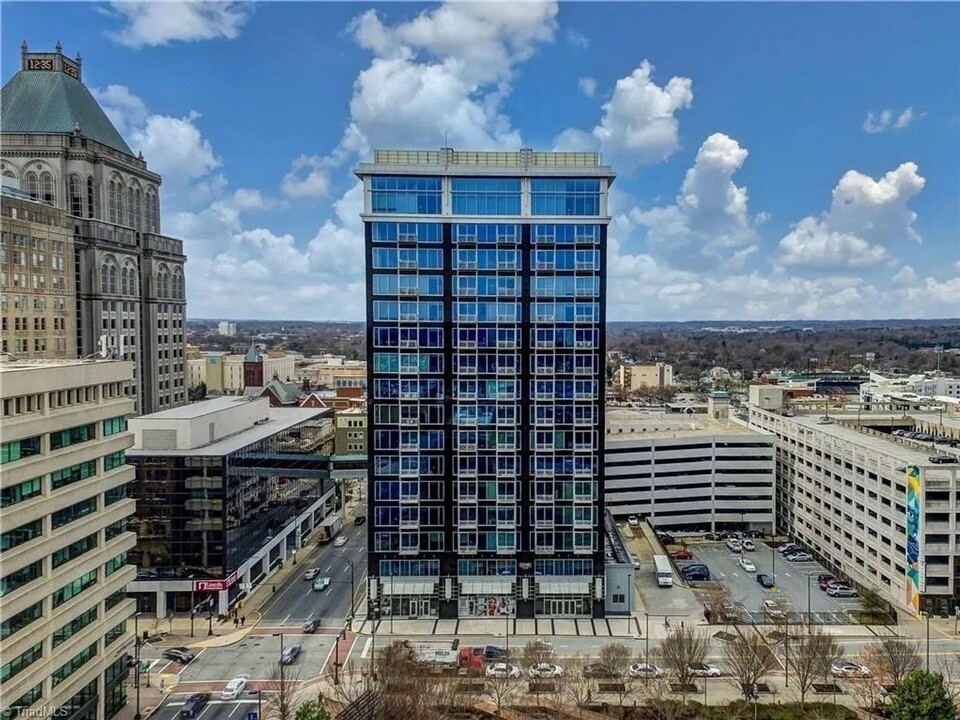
351 432
63 474
38 309
223 373
644 376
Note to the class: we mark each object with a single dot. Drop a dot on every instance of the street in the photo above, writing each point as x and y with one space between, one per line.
295 601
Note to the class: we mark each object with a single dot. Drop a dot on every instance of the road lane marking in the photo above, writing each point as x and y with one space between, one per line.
366 648
310 615
235 708
284 621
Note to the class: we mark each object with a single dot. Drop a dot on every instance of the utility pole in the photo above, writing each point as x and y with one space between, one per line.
136 631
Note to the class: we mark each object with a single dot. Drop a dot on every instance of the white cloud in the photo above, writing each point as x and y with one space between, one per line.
905 276
639 124
315 182
125 110
574 140
813 244
587 85
578 39
160 23
710 218
865 217
444 75
883 120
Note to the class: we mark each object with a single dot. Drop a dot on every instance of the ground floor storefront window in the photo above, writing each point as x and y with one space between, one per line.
554 605
409 606
487 606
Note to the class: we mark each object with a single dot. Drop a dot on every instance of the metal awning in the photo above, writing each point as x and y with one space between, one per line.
407 587
563 587
487 586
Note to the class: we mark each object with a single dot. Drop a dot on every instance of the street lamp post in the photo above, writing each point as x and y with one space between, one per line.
373 644
210 616
927 616
809 577
136 632
280 635
342 635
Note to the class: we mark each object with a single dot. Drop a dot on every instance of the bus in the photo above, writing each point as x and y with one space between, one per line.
664 571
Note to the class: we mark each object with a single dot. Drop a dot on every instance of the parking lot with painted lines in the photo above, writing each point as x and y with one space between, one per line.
796 584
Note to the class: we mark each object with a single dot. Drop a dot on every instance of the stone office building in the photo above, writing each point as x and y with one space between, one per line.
60 149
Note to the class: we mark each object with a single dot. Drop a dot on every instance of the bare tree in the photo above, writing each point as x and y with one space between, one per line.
682 647
749 659
893 658
810 659
660 702
616 657
279 693
717 603
502 690
537 652
578 689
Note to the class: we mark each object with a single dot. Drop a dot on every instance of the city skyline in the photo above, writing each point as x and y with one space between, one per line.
716 216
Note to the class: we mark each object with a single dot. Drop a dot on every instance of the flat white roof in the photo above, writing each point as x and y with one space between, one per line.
907 454
198 409
280 419
629 424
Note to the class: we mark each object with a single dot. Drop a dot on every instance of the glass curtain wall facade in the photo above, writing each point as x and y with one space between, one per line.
485 294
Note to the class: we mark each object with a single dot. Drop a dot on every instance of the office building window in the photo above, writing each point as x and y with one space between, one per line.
21 662
18 449
486 196
114 425
75 663
72 589
565 197
74 473
19 535
392 232
406 195
78 623
22 619
72 436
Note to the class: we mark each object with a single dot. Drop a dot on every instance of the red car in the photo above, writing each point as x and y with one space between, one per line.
682 555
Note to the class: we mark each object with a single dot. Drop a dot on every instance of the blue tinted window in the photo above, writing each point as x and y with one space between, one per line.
566 234
486 196
406 232
486 233
565 197
407 285
385 258
407 311
406 195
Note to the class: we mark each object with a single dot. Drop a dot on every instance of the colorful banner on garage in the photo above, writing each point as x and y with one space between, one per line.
915 569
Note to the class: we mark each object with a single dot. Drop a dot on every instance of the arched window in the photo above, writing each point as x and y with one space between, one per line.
91 198
152 211
178 285
104 278
113 279
137 209
76 196
123 282
120 203
31 185
9 174
131 279
112 202
48 190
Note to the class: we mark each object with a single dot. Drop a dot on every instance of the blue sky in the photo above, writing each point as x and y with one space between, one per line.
775 161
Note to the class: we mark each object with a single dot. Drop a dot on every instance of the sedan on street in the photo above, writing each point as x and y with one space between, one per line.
598 671
290 653
748 545
704 670
681 555
545 670
340 541
645 670
849 669
234 688
747 565
181 655
311 573
799 557
502 670
765 580
841 591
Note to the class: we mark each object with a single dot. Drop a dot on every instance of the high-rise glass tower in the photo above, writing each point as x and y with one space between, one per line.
486 277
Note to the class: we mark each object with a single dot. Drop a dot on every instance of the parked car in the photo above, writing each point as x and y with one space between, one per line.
942 459
734 545
773 610
713 536
755 534
645 670
766 581
841 591
234 688
635 560
310 626
492 652
359 519
695 572
704 670
181 655
311 573
800 557
667 538
290 653
787 547
633 521
194 705
823 579
748 545
849 669
502 670
545 670
681 555
598 671
340 541
747 565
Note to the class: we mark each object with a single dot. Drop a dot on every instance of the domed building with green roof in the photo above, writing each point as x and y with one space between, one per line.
60 150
